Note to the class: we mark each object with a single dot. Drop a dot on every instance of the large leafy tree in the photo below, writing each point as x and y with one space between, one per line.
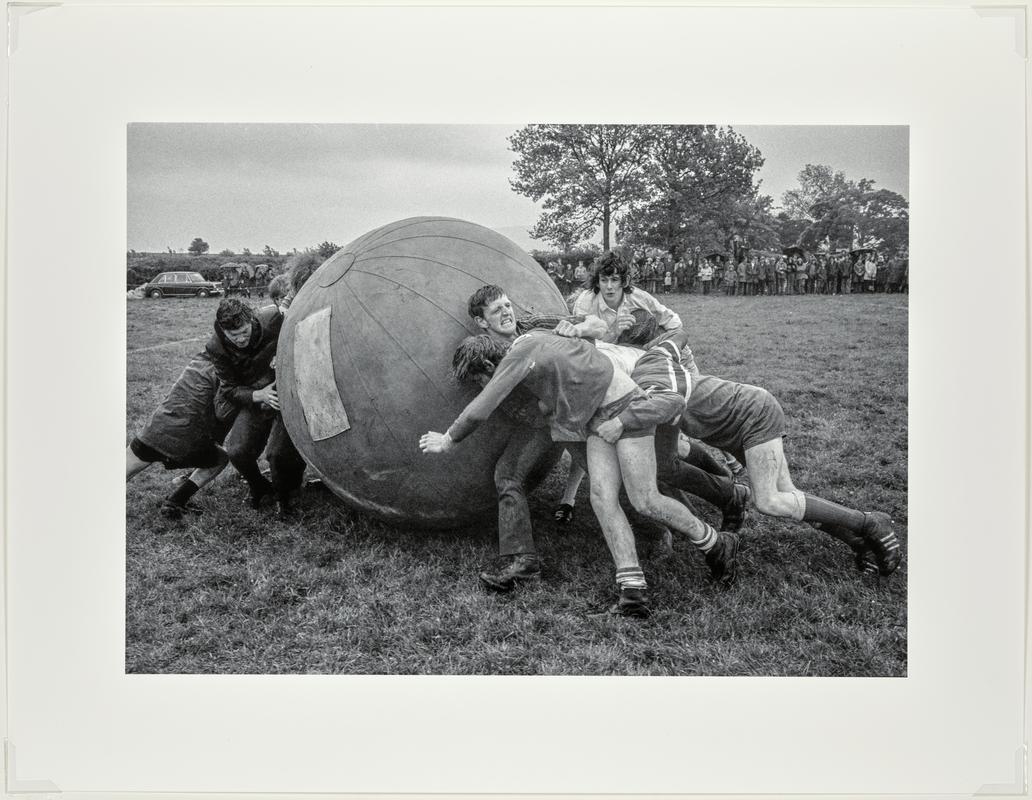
585 174
817 182
829 209
789 229
886 216
197 246
859 216
700 190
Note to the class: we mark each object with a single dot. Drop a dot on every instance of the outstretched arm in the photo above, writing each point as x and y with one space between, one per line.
506 377
582 326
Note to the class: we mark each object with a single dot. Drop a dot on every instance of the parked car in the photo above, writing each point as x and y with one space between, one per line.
176 284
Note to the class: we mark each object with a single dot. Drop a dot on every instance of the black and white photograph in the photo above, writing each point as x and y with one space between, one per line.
515 400
537 399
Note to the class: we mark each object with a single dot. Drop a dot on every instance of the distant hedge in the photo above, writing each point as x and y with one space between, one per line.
584 252
143 267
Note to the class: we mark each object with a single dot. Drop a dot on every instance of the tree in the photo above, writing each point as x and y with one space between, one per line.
327 249
699 188
788 229
749 221
226 252
197 246
877 217
831 210
268 251
245 252
817 182
584 173
886 216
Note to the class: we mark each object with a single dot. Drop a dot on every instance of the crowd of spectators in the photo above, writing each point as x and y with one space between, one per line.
754 273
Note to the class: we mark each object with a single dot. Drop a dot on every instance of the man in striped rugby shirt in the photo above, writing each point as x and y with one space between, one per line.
748 422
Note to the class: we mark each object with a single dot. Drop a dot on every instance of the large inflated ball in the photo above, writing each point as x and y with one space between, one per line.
364 359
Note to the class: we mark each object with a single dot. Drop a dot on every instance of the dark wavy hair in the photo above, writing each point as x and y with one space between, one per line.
482 298
610 263
233 313
477 355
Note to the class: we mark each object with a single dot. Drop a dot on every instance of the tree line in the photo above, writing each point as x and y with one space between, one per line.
680 187
143 267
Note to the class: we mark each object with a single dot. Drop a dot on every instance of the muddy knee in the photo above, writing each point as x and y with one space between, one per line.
789 505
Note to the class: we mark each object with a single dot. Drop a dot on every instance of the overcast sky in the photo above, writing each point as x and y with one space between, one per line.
291 186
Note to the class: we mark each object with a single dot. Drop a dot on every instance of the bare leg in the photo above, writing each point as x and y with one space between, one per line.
638 468
133 465
637 464
776 495
205 475
773 491
605 501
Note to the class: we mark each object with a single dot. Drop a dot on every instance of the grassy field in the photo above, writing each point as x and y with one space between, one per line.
237 591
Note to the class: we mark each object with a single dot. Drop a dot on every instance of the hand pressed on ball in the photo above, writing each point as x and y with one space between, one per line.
434 442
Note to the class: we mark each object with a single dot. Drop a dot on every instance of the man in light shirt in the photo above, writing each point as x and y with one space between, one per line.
611 297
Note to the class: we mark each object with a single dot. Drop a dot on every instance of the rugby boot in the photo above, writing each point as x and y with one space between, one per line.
172 510
722 560
259 493
514 570
735 512
862 555
882 541
865 561
632 603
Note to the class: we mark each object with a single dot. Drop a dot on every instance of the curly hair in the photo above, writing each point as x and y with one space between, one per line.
301 267
233 313
477 355
279 288
610 263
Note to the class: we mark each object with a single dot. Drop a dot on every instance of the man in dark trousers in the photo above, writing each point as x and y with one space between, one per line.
243 349
529 446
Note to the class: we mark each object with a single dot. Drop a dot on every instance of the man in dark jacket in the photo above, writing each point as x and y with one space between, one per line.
183 432
243 350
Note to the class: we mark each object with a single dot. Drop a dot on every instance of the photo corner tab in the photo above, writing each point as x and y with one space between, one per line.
13 785
16 13
1018 13
1020 786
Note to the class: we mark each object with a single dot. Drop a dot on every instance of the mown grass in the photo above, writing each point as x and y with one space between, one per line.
235 591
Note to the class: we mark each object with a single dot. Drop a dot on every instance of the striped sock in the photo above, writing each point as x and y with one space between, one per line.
630 578
709 539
